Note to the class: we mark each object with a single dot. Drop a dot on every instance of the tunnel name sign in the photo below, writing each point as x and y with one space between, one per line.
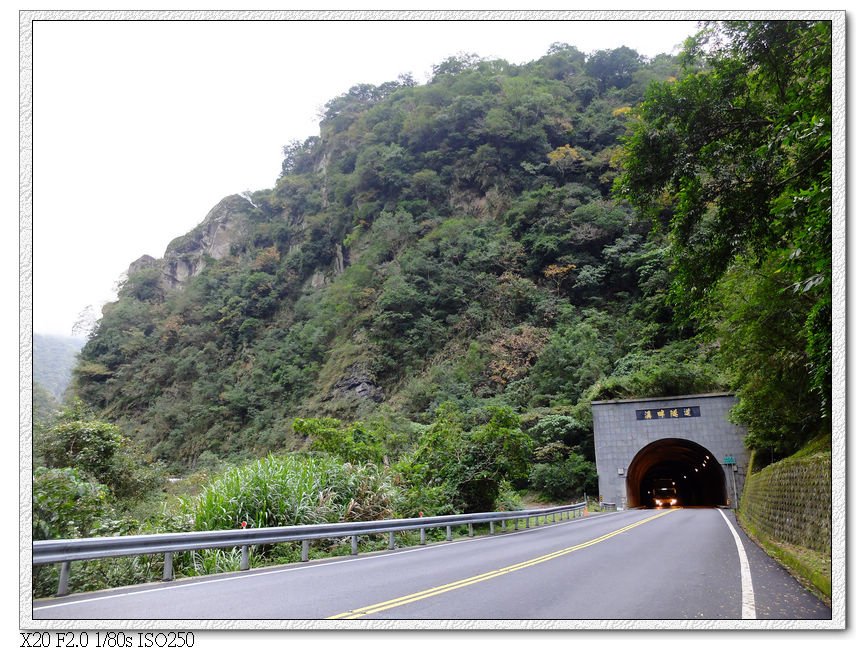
666 414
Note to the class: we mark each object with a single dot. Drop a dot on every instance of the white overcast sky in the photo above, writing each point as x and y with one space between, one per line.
140 128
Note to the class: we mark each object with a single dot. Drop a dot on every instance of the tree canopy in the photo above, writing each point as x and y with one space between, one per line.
733 162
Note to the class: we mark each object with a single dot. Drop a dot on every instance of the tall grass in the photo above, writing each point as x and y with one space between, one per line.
274 491
291 490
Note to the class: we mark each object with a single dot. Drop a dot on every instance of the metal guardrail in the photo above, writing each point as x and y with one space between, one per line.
64 551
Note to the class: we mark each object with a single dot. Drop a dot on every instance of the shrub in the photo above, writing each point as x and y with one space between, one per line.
65 504
565 478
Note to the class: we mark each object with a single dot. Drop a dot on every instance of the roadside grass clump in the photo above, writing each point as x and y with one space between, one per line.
214 560
272 491
288 490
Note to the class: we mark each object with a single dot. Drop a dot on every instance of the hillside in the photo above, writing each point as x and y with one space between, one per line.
458 241
449 241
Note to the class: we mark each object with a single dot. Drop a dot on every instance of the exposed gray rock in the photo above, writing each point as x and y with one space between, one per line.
318 280
142 263
357 384
186 256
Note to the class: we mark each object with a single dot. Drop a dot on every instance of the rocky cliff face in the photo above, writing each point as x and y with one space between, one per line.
186 256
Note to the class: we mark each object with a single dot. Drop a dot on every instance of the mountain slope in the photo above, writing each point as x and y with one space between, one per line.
454 241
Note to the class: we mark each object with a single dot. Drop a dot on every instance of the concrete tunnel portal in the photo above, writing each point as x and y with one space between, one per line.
644 443
696 475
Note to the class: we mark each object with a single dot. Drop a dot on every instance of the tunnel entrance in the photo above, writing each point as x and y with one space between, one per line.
677 467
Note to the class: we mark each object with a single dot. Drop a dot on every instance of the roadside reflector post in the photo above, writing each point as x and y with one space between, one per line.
168 568
63 586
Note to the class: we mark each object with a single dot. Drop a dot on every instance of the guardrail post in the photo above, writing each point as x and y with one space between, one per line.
504 524
244 558
391 541
471 530
448 535
354 544
63 586
304 550
422 536
528 522
492 528
167 568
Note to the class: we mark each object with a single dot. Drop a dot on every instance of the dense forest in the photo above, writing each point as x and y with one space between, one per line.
442 280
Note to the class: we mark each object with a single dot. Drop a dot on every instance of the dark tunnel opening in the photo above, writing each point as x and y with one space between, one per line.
674 469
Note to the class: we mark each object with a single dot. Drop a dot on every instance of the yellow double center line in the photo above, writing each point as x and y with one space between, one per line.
459 584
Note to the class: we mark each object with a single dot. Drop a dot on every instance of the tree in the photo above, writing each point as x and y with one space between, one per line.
614 68
564 159
97 450
65 504
353 443
470 466
565 475
79 441
752 307
733 162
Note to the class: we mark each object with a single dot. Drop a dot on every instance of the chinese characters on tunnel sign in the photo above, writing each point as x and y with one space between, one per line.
669 414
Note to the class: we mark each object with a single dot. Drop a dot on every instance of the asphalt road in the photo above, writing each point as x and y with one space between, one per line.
680 564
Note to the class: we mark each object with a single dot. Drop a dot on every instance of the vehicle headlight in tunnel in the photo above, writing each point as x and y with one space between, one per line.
657 502
673 502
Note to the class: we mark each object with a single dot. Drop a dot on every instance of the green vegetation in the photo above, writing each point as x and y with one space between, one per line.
417 316
734 162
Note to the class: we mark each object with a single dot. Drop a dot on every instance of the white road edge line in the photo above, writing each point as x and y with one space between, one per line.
749 609
263 571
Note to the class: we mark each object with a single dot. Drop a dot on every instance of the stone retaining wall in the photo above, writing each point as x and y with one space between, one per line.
791 501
